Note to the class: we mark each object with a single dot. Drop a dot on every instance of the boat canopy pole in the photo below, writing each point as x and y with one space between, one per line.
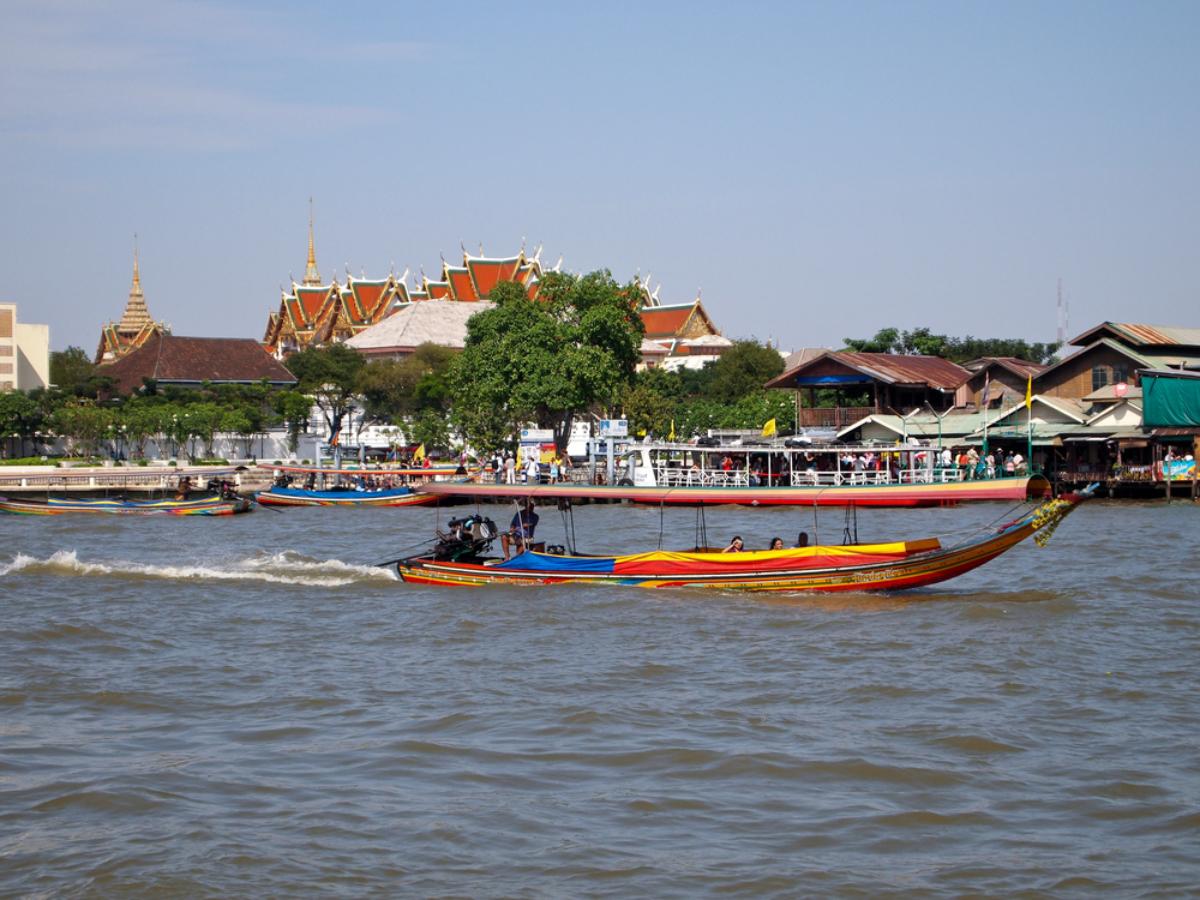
567 510
850 529
661 507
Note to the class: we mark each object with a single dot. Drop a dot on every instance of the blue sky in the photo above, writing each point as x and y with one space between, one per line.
819 170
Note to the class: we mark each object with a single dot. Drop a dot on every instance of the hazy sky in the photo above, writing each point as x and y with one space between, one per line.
819 170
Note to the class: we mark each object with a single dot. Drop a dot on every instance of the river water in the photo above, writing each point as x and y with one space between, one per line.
245 706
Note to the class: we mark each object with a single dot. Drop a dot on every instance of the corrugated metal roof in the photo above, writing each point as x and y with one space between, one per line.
1140 334
1014 364
890 368
900 369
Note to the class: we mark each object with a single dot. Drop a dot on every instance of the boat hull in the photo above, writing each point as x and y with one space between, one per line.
887 495
300 497
889 567
56 506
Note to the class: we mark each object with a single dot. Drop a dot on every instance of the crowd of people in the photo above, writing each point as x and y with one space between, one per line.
506 469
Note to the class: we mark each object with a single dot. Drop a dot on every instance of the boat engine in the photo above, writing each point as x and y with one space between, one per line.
470 536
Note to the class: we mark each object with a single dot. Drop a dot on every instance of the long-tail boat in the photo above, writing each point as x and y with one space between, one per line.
348 487
459 560
212 505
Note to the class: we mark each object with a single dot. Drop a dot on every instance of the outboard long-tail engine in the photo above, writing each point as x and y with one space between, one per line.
470 536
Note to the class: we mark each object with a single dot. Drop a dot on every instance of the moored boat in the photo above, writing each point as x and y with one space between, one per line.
460 560
281 495
212 505
349 487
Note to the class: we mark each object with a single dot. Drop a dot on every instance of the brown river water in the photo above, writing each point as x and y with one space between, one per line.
246 707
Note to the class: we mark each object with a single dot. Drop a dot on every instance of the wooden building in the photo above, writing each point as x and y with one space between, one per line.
865 384
1113 352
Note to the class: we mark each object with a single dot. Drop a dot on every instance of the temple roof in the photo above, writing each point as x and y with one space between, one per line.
191 360
442 322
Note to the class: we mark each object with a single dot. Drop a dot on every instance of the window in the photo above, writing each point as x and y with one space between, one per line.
1120 373
1099 377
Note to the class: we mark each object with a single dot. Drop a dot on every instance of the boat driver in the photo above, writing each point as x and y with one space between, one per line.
520 529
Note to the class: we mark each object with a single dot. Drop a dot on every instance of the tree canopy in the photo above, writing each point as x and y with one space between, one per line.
574 348
330 375
924 342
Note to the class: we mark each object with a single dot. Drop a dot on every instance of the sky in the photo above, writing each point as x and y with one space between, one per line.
817 170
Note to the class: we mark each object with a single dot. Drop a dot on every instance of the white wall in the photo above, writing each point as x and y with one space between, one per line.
33 356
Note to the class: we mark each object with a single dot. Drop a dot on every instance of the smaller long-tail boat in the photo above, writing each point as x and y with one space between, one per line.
212 505
278 495
458 560
320 486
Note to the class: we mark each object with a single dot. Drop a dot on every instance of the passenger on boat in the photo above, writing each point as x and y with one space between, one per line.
184 488
735 546
520 530
777 543
802 539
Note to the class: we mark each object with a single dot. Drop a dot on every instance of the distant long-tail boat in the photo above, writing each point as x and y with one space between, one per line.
214 505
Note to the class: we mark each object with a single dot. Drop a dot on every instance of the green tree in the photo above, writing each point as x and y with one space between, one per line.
923 341
84 427
141 422
330 375
886 340
19 417
743 369
394 390
71 370
201 422
576 347
430 428
293 409
648 410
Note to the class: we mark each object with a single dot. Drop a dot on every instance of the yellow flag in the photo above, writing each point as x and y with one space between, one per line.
769 429
1029 393
671 436
419 454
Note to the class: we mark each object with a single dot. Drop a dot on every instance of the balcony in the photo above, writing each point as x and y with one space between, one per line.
834 416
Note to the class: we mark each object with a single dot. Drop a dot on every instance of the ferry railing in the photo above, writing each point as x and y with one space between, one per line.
671 476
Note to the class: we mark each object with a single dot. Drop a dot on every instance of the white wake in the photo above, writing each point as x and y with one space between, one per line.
279 568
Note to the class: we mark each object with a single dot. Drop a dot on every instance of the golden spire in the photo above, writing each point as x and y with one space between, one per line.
136 314
137 281
311 275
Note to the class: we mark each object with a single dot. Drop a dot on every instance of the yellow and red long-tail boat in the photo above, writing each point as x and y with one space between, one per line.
214 505
856 567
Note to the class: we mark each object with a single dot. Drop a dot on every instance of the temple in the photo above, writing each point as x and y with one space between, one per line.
136 325
314 312
685 332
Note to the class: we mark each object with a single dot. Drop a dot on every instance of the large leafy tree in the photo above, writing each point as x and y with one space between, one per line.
394 390
330 375
19 416
71 369
576 347
742 369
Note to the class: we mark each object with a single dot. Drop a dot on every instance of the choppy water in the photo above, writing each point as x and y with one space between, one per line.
246 707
